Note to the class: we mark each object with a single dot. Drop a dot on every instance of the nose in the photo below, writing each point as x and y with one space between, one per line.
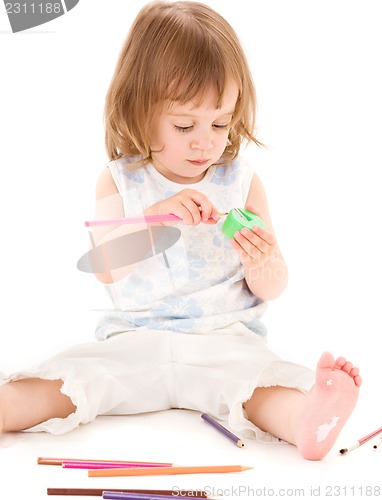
203 140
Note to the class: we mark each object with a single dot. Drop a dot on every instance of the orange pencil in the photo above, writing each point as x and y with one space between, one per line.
156 471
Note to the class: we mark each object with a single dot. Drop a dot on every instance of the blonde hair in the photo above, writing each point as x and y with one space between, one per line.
175 51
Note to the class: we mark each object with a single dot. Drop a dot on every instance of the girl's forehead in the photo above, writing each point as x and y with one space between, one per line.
208 101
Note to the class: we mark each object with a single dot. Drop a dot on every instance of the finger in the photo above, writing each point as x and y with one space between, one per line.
211 221
242 254
251 243
206 208
246 256
264 234
198 204
208 211
193 215
184 213
207 214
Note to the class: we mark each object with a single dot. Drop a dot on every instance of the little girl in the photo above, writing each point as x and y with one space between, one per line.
185 331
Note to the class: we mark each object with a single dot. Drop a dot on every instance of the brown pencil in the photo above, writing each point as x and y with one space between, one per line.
156 471
98 492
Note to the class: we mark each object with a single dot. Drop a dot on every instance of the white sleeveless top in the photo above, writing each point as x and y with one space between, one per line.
195 286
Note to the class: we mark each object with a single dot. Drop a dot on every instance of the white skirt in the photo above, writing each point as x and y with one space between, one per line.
151 370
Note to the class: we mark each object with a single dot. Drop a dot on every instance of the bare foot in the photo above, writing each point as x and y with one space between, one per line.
327 406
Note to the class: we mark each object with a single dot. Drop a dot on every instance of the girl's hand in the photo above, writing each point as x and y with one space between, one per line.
255 246
190 205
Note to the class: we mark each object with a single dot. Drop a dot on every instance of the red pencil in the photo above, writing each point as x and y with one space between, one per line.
59 461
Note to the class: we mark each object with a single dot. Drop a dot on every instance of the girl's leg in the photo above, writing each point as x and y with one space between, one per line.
117 376
28 402
310 421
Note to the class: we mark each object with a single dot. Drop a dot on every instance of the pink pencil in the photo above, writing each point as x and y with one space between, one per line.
80 464
141 219
133 220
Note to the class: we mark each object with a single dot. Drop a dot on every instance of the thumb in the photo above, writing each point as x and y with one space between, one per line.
255 210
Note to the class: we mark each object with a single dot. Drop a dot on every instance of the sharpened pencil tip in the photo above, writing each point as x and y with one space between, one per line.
244 467
343 451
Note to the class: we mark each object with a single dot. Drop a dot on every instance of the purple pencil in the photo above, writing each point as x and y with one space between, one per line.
97 492
222 430
116 495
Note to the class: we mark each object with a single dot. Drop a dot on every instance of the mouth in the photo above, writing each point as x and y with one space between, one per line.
198 163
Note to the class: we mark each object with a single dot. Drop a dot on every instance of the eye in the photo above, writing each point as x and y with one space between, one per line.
222 127
183 129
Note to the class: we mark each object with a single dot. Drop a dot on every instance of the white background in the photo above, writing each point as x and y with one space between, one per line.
316 66
317 71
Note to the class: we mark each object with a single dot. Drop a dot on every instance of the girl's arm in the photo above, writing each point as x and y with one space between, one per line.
264 267
109 205
190 205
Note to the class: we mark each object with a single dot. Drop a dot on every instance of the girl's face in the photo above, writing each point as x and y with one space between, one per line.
187 139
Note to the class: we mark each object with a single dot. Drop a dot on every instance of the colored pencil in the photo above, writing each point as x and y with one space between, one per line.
133 220
98 492
361 441
79 464
222 430
59 461
156 471
140 219
117 495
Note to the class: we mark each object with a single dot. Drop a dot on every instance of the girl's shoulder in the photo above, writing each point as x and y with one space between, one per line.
122 170
124 163
109 180
105 185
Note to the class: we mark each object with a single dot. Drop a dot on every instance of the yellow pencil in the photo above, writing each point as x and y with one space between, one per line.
151 471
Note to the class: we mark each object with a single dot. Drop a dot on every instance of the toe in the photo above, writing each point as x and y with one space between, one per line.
354 371
340 362
326 360
347 367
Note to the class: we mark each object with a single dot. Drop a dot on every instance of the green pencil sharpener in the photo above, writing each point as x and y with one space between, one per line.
237 219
